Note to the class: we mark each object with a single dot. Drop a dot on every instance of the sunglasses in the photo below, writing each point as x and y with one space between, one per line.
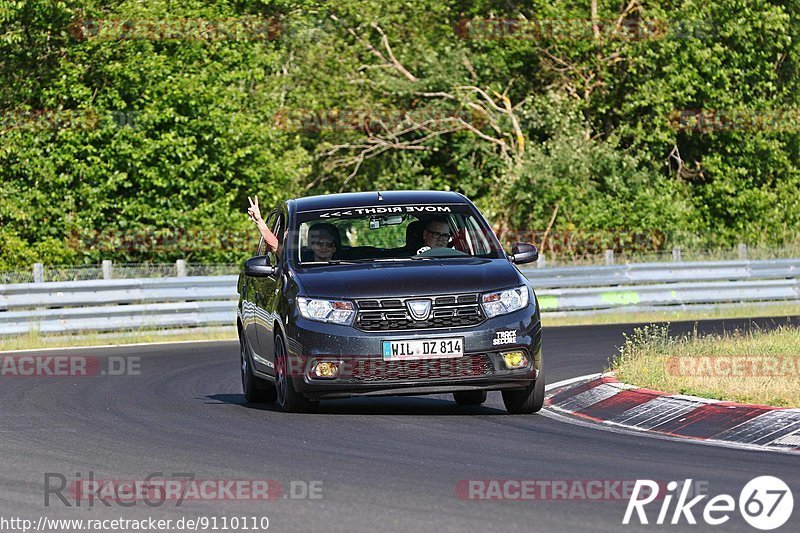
328 244
437 235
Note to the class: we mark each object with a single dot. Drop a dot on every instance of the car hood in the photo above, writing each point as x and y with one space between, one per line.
408 278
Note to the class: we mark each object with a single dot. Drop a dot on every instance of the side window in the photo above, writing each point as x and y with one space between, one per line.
478 241
278 230
262 246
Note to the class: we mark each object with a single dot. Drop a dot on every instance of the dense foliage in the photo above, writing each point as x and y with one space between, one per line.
135 130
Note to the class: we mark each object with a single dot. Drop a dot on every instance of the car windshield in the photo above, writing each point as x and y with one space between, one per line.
394 233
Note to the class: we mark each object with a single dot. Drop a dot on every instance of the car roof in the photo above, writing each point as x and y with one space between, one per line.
357 199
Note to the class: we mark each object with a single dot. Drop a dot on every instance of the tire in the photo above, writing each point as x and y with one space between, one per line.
525 401
470 397
256 390
289 400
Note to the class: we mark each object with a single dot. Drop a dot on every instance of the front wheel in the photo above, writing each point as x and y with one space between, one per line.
288 399
256 390
525 401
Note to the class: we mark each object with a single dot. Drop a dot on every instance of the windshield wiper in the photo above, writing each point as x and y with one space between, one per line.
330 262
384 259
420 257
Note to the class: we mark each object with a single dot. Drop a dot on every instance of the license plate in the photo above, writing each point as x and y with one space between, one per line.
423 349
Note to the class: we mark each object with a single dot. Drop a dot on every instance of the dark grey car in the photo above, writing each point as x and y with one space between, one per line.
387 314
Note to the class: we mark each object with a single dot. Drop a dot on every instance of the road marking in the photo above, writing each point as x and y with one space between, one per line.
551 413
570 381
546 412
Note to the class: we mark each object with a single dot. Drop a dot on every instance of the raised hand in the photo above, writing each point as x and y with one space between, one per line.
255 215
253 211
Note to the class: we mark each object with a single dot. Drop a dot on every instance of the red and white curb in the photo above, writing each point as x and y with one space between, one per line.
605 400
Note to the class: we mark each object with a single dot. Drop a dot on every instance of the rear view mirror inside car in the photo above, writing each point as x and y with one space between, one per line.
391 220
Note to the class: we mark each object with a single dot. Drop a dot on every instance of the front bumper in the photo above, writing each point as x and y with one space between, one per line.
363 371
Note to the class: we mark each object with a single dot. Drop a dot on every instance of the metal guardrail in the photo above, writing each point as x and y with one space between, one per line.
124 304
120 304
644 273
116 291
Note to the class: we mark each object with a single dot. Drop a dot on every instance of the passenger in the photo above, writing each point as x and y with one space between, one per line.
323 239
436 233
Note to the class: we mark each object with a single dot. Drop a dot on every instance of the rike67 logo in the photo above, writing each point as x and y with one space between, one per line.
765 503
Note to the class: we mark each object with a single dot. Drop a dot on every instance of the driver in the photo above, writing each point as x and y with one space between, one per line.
436 233
323 238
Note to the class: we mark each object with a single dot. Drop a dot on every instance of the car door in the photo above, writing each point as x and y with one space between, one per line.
267 304
253 314
248 307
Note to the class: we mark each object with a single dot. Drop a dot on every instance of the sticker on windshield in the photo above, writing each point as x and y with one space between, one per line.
384 210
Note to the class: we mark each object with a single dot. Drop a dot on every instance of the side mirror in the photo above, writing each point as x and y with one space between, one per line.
259 267
523 252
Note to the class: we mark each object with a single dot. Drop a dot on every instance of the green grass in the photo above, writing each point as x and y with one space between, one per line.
620 317
760 367
36 340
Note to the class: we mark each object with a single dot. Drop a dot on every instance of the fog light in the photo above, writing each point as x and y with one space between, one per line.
325 369
515 359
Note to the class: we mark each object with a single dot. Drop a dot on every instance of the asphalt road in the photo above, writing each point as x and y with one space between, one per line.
385 464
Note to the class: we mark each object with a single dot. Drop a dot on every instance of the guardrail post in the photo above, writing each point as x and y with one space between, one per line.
540 263
107 274
38 273
180 268
609 257
742 251
676 255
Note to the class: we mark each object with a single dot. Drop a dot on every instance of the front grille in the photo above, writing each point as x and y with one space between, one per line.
377 370
391 314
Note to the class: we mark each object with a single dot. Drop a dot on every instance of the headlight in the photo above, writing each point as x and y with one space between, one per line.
503 302
334 311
